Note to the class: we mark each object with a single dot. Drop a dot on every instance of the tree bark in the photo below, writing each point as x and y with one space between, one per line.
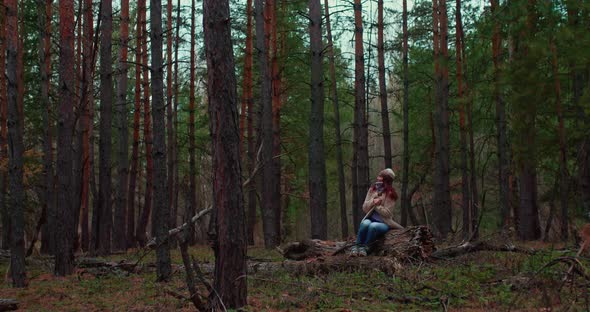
276 115
16 151
406 200
169 115
131 238
64 225
442 213
269 209
468 226
317 158
141 229
105 217
175 119
382 85
161 215
230 229
192 207
119 233
334 91
45 15
360 168
4 213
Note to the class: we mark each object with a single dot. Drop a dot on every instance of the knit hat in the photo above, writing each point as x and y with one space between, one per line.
387 173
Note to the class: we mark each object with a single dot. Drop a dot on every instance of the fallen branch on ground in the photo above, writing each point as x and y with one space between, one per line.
470 247
8 304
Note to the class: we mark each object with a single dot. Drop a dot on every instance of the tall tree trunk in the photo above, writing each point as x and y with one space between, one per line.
500 119
45 15
563 176
334 91
468 226
4 213
360 172
192 208
230 245
86 120
16 147
169 115
140 232
120 241
175 119
131 238
406 201
20 67
64 225
269 221
382 85
276 116
161 215
442 212
105 218
317 158
246 113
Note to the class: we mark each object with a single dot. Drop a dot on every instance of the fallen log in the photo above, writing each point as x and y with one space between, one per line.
470 247
411 243
8 304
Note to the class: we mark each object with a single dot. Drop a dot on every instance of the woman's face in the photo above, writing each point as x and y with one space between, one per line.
379 179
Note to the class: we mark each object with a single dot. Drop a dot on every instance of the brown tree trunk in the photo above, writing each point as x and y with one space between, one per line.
500 119
442 213
4 213
382 85
276 116
230 228
175 119
563 176
192 207
468 226
105 217
64 225
16 151
334 91
360 172
161 215
140 232
406 200
20 67
317 158
131 238
246 113
169 115
45 14
86 124
77 138
119 233
269 209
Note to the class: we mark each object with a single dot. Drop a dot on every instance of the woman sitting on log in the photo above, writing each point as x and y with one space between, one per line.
378 207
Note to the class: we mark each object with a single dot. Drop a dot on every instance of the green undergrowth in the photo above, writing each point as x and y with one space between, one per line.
484 281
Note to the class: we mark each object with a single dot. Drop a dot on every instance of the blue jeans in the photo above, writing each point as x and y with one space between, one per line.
369 231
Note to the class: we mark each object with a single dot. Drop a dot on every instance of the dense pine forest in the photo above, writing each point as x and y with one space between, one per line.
229 155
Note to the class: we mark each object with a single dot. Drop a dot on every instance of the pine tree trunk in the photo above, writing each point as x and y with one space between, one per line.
175 119
169 115
382 85
442 213
269 217
133 174
276 117
192 208
360 126
86 120
317 158
334 91
140 232
161 215
105 218
4 212
500 119
468 226
119 233
563 176
77 162
16 147
230 245
64 225
45 14
406 201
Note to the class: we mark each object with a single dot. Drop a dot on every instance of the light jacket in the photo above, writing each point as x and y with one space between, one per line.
385 209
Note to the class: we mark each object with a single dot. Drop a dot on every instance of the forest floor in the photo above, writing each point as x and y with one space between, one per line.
482 281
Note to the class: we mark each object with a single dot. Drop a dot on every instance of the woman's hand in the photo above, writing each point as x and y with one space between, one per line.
377 201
